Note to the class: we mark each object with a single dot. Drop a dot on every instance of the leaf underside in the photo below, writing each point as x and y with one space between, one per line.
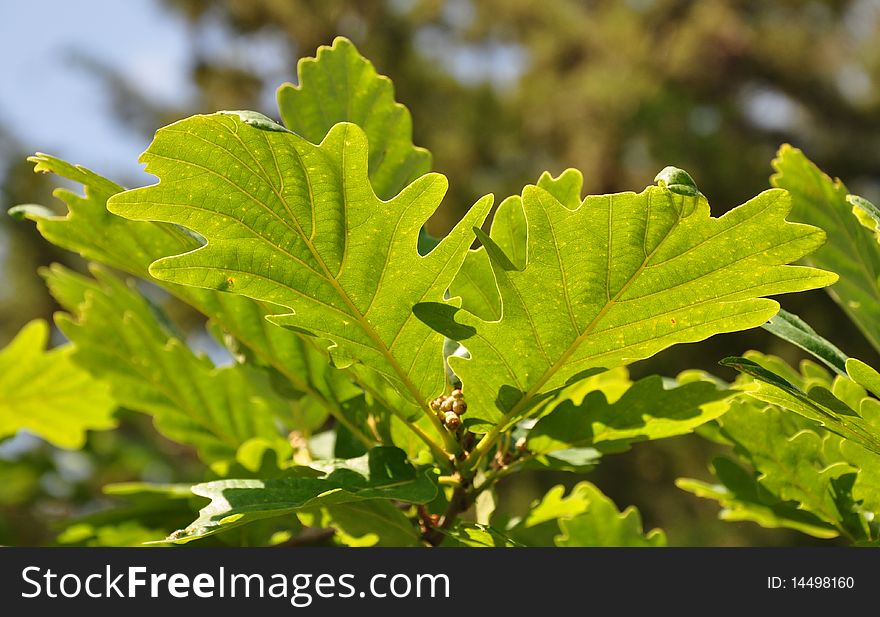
599 283
119 338
46 393
802 476
851 250
340 85
299 226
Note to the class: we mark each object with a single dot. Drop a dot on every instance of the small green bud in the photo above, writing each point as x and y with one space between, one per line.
678 181
452 420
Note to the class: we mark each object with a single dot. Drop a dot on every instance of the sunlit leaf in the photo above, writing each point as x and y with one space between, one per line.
791 328
373 522
818 404
647 410
744 499
383 473
299 226
45 393
340 85
583 517
803 476
119 339
851 250
131 246
476 535
616 280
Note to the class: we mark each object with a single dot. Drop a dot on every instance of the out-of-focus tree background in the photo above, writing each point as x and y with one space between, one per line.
500 90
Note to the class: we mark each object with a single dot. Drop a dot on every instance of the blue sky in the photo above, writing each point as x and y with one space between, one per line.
50 104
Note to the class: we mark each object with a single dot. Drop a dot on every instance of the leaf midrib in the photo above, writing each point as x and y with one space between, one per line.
325 272
572 348
365 325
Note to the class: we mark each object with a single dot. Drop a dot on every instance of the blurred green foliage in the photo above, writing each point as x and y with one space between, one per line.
502 90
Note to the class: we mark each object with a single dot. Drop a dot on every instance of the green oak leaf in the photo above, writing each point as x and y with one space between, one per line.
611 385
577 460
382 473
789 327
616 280
340 85
866 490
604 525
475 281
867 214
131 246
818 404
647 410
140 513
373 522
163 507
298 225
802 479
843 405
476 535
90 230
124 533
46 393
743 498
851 251
118 338
584 517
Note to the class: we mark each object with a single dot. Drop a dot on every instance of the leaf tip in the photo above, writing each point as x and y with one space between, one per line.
29 211
736 361
677 180
256 120
342 42
497 256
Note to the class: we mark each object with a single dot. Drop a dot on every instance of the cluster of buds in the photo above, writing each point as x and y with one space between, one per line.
449 408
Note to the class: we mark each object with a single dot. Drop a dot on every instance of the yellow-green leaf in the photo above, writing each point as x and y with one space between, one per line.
45 393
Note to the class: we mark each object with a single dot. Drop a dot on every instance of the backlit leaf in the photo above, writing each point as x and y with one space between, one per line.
90 230
618 279
119 339
647 410
340 85
818 404
802 478
298 225
583 517
45 393
851 250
